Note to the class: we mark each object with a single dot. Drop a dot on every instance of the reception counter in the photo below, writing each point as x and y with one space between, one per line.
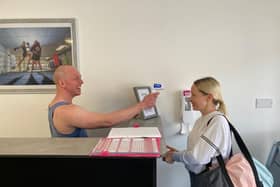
66 162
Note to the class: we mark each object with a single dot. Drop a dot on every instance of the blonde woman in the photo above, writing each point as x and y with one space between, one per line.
206 97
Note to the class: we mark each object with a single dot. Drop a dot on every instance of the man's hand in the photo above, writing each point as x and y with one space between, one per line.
150 100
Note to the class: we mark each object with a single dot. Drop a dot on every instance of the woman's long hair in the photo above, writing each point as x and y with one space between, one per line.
209 85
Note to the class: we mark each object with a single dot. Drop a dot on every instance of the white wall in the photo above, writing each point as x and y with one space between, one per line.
130 43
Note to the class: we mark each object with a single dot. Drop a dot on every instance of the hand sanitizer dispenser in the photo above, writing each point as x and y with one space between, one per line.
188 115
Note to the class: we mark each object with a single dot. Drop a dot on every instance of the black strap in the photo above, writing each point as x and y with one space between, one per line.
242 146
219 159
208 165
243 149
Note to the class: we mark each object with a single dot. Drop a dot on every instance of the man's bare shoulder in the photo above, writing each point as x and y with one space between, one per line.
69 108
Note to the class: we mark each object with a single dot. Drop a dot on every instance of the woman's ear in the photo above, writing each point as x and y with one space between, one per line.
210 97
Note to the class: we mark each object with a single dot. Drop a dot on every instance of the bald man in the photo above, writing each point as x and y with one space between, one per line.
69 120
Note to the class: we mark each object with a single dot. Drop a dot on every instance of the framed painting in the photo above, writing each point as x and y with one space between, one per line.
140 93
31 50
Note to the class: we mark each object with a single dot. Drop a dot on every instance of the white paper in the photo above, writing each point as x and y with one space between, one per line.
149 111
130 132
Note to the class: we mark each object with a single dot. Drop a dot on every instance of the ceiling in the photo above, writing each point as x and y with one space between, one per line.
13 37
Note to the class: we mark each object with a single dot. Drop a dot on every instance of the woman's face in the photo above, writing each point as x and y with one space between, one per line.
198 99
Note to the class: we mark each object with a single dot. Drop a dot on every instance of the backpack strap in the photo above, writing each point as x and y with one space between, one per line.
208 122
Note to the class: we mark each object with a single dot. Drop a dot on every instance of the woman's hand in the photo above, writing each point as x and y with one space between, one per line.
171 148
167 157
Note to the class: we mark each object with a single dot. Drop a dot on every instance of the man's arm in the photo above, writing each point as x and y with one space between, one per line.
76 116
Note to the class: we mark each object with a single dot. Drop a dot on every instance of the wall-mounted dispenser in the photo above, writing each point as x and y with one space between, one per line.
188 115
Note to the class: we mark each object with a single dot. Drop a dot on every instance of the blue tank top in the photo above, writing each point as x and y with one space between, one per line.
78 132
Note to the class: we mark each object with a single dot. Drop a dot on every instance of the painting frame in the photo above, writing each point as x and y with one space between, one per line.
65 43
140 92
